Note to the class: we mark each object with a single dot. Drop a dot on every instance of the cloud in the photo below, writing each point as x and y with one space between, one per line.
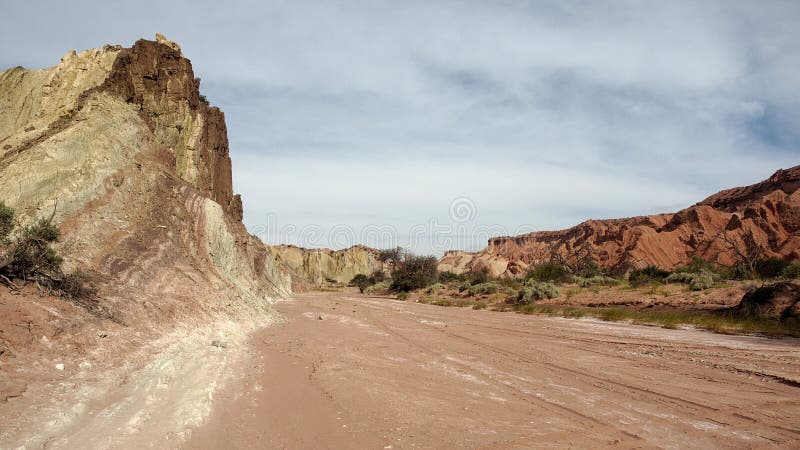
543 113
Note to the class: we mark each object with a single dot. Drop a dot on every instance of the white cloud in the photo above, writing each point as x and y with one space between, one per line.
543 113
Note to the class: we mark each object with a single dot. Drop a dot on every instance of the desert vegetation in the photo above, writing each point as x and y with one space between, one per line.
700 294
26 255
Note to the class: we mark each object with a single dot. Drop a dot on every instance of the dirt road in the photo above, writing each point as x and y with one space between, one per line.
347 371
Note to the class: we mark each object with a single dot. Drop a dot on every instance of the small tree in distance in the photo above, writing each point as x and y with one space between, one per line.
414 272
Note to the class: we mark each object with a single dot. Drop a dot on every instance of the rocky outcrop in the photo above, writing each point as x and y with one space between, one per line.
776 301
768 211
137 167
315 266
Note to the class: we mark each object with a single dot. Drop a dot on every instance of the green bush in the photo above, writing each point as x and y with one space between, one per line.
680 277
536 291
771 267
361 281
377 277
697 264
792 270
597 280
479 275
6 222
490 287
702 280
32 253
648 275
587 267
402 296
449 277
434 287
414 272
697 281
29 255
381 287
549 272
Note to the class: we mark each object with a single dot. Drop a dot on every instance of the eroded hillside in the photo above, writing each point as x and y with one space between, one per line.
120 144
713 229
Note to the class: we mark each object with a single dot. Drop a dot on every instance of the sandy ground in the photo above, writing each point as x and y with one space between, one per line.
146 397
346 371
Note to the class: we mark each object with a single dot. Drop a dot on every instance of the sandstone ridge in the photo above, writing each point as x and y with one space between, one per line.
769 211
119 142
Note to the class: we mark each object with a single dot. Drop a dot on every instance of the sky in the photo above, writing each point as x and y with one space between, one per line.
437 124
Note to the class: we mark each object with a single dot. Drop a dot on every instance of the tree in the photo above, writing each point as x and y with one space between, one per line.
414 272
392 256
747 253
361 281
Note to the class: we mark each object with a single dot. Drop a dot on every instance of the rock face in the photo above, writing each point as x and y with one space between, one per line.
777 301
136 165
768 211
318 265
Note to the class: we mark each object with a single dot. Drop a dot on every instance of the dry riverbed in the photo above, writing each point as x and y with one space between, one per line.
346 371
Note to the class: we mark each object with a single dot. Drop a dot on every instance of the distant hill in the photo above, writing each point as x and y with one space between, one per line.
768 211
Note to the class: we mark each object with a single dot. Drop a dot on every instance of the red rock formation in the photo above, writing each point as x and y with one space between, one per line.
769 211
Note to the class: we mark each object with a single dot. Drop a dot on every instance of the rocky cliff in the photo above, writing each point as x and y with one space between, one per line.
119 142
768 211
315 266
134 162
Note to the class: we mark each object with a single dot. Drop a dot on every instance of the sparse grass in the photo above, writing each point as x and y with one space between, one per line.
720 322
324 289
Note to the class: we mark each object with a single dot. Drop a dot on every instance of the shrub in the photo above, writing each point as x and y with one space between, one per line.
377 277
549 272
792 270
587 267
650 274
597 280
679 277
770 267
697 281
697 264
402 296
536 291
479 305
449 277
464 285
32 253
77 285
361 281
702 280
490 287
414 272
381 287
30 256
479 275
204 99
435 287
6 222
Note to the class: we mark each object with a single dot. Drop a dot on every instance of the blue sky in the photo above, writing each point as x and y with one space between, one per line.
350 117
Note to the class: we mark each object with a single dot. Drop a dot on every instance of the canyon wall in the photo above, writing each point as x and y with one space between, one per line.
711 229
118 142
316 266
